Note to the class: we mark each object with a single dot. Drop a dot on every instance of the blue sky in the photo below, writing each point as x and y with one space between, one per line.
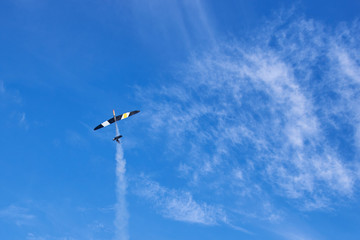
249 125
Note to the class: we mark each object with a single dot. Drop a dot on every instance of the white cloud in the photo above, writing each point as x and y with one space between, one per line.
32 236
9 95
179 205
277 108
20 216
348 65
345 81
23 121
10 99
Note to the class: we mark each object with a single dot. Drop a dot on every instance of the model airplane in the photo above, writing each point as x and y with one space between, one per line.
113 120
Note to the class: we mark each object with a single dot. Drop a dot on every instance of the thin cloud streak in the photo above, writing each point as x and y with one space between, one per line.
19 215
187 20
179 205
9 95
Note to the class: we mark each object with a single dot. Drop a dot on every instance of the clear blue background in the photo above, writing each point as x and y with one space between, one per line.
64 65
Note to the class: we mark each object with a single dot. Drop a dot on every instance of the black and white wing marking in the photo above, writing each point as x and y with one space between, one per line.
118 118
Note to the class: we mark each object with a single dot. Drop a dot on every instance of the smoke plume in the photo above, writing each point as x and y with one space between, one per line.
121 214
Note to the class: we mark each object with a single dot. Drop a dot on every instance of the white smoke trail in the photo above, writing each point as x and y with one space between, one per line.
121 214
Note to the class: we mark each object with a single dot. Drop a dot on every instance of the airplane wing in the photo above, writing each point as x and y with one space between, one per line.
118 118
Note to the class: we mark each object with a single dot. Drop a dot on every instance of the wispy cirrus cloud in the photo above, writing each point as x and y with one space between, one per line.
179 205
8 95
281 107
183 22
11 99
37 220
19 215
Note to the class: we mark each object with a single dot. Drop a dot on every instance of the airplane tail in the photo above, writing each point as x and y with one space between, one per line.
117 138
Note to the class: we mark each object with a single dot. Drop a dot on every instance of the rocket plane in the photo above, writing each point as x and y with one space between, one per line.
114 119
